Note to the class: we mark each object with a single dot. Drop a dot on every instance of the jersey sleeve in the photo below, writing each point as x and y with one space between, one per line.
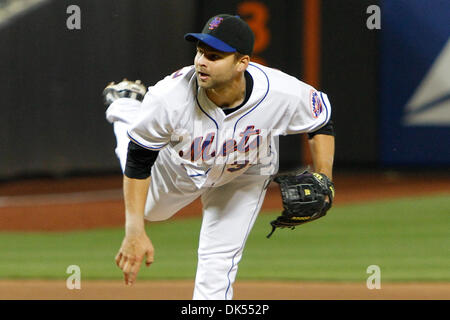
153 128
311 113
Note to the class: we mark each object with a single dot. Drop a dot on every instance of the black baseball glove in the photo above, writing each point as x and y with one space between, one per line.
306 197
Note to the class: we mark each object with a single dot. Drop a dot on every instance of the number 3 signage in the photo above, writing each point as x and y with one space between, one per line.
257 15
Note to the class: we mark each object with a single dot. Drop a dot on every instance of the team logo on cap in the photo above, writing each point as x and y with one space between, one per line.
316 104
215 23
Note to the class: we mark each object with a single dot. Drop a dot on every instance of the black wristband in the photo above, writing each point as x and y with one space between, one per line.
139 161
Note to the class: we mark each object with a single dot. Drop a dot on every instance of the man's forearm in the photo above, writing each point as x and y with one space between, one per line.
322 152
135 196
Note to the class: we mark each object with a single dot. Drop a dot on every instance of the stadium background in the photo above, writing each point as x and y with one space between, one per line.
59 175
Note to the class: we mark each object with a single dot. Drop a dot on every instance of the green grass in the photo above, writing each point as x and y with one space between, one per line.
408 239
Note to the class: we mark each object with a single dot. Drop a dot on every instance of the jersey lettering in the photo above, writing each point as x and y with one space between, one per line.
228 147
201 147
242 145
207 146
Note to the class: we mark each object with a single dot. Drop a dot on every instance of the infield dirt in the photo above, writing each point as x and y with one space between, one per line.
243 290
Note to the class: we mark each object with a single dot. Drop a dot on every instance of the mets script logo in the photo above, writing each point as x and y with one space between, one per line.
316 104
201 146
215 23
202 149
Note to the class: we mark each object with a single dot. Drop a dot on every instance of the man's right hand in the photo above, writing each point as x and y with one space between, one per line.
131 254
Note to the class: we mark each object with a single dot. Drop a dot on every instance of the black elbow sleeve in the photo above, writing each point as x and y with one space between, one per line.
327 129
139 161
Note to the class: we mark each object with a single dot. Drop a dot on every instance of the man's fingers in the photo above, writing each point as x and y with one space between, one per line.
126 267
132 277
129 277
149 260
130 257
131 268
118 257
133 260
131 264
123 261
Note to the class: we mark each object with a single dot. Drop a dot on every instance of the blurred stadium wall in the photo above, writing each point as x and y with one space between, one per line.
52 115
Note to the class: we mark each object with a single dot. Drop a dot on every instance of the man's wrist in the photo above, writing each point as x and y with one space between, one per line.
134 224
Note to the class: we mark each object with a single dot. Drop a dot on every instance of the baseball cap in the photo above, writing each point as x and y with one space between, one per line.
226 33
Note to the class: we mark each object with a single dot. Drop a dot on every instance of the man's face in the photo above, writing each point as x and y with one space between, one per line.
214 69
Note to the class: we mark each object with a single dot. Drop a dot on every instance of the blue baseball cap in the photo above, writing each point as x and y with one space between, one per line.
226 33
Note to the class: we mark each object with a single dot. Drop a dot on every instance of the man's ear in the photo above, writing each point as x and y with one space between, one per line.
243 62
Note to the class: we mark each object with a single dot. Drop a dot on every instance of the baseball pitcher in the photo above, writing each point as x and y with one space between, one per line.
209 130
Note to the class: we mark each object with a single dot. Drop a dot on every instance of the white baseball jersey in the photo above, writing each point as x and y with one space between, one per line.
224 159
178 118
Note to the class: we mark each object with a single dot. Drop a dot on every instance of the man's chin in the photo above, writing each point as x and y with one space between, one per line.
204 84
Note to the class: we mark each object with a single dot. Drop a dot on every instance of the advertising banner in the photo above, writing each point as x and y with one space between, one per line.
415 82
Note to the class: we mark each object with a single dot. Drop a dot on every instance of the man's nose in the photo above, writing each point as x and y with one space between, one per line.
202 60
